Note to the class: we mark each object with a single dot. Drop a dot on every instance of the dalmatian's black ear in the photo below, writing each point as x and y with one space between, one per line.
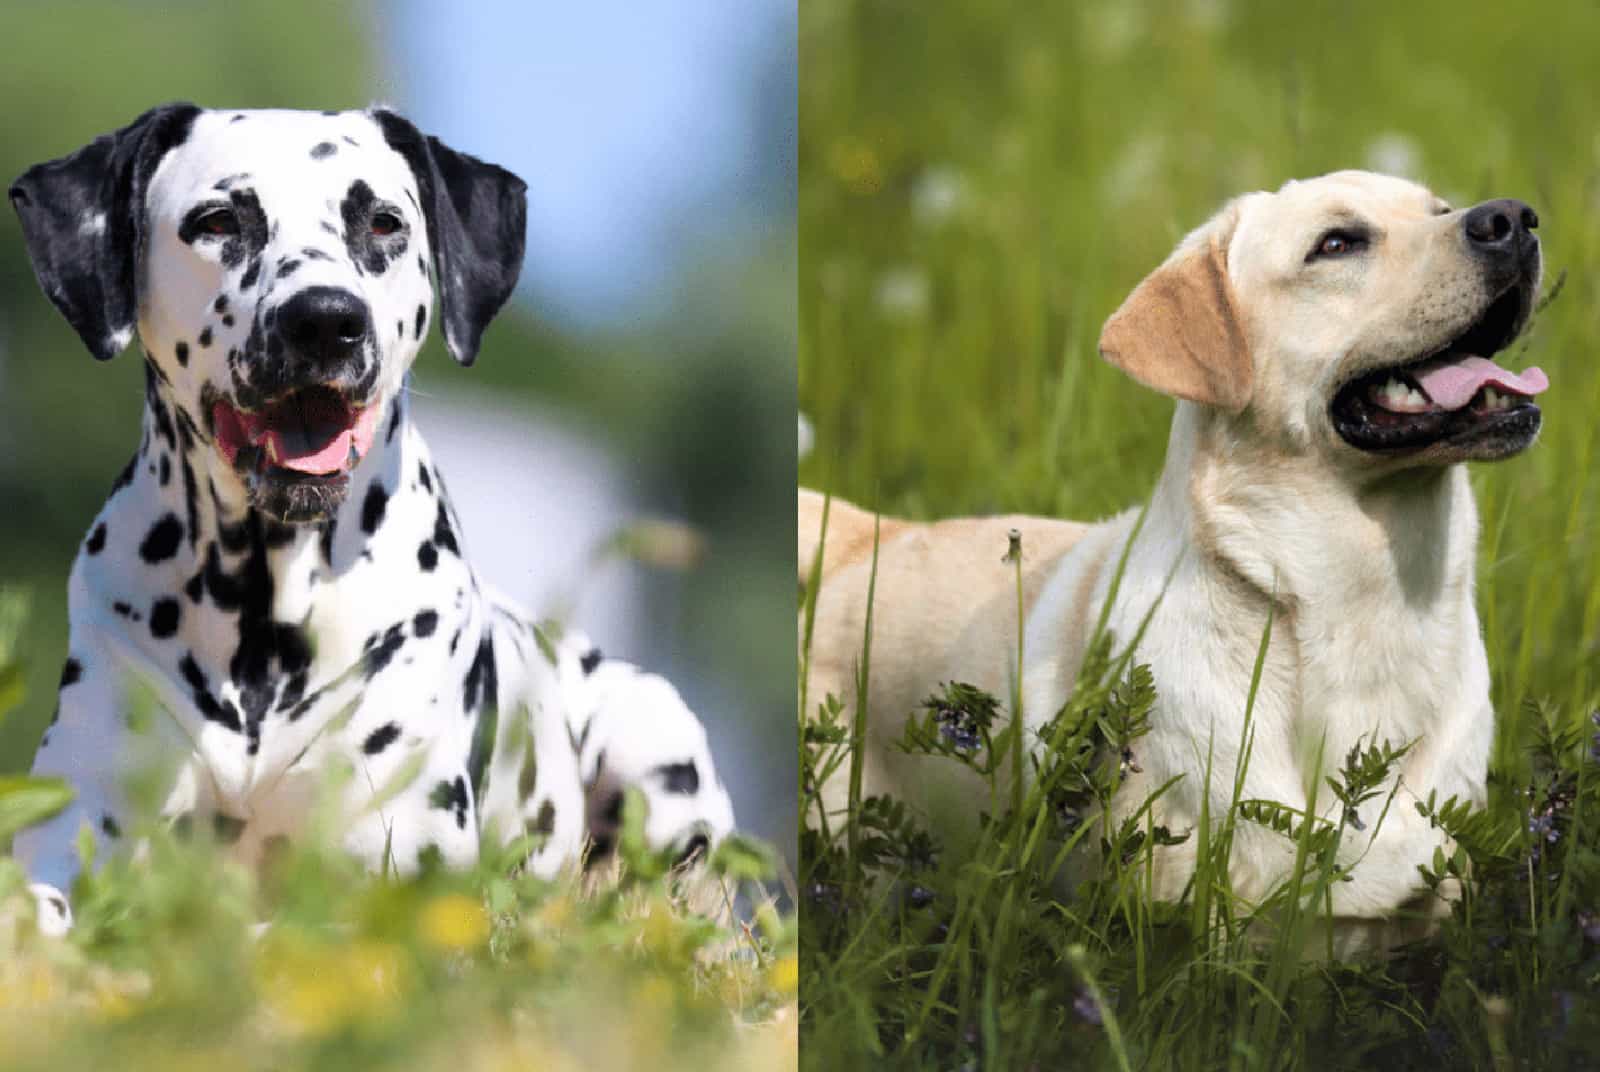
477 215
83 221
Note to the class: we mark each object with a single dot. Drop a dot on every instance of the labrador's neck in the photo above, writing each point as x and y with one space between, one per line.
1298 533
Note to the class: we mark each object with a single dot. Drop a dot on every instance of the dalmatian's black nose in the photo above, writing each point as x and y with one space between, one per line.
326 324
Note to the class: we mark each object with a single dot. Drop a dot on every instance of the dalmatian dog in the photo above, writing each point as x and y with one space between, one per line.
275 603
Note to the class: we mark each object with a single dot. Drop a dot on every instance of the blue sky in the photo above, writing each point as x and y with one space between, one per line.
650 132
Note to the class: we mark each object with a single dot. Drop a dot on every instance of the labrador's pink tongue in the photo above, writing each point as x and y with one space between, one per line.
1451 382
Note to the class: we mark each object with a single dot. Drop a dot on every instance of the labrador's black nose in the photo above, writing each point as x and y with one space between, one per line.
326 324
1504 226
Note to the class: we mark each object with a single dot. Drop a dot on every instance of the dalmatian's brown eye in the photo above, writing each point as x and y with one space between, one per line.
385 223
219 221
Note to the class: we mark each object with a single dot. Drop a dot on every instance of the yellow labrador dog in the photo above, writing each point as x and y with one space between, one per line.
1330 345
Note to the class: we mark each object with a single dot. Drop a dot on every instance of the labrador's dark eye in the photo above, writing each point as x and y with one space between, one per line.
385 223
1338 243
217 221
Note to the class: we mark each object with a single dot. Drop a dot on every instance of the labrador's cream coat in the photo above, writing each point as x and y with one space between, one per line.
1365 560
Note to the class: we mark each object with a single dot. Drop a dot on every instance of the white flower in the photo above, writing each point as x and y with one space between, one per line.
903 293
1394 153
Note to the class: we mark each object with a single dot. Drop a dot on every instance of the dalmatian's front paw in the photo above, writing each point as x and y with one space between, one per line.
643 736
52 913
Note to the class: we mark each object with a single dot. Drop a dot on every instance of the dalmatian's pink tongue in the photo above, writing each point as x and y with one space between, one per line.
319 446
308 433
1451 382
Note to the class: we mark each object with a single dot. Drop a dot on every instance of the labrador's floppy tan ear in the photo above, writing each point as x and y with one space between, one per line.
1179 331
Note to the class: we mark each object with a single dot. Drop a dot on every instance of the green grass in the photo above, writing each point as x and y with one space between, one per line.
181 960
981 183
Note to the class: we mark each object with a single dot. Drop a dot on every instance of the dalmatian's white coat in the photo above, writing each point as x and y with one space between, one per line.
278 577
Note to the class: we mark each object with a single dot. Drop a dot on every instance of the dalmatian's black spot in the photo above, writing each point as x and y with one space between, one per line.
424 623
221 304
455 640
394 423
223 713
226 829
427 556
223 185
323 149
368 251
181 351
478 687
125 477
372 508
251 274
294 690
443 535
164 615
682 778
191 500
422 265
227 320
287 268
238 118
311 253
697 846
109 826
330 229
422 319
71 673
97 540
348 140
424 479
161 542
479 692
234 538
400 329
452 796
381 649
381 738
591 660
166 470
545 822
278 534
205 337
158 408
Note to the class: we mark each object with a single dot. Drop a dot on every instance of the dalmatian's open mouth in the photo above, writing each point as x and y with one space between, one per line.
308 433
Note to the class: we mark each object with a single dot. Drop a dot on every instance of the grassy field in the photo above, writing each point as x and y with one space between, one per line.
170 966
979 188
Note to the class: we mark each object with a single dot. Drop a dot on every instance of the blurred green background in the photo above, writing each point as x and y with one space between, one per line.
980 187
690 398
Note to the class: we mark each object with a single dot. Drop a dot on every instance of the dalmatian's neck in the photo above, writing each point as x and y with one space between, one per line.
238 608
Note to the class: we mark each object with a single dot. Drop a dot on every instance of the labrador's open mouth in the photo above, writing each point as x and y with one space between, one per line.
1456 395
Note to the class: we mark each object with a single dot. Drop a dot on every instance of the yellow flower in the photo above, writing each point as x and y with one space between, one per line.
454 922
856 165
784 975
315 992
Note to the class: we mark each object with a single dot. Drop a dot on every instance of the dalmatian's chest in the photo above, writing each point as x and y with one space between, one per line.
292 656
